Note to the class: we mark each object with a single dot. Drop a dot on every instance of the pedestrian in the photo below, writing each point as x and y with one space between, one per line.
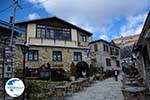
116 75
112 73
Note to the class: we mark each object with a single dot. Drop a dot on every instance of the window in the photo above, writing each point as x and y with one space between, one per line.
43 33
95 47
67 35
51 34
118 63
33 55
117 52
48 32
77 56
58 35
83 38
105 48
111 50
57 56
38 35
108 62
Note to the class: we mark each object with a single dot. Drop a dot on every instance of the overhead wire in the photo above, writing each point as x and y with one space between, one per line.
22 8
6 8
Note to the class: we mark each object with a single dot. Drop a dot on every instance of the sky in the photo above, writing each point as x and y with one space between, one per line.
106 19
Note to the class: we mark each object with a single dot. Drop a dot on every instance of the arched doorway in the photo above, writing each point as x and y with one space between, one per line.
81 69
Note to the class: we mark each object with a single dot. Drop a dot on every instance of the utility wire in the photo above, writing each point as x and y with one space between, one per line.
22 8
6 8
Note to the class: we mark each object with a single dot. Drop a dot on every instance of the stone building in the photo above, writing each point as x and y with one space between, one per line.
54 41
126 49
130 40
141 52
104 55
7 51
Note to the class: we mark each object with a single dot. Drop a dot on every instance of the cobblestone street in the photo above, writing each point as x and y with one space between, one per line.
108 89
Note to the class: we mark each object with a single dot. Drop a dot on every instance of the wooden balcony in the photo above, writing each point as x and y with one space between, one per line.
83 44
114 54
50 42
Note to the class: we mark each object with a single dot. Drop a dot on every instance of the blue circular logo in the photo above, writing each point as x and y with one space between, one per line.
14 87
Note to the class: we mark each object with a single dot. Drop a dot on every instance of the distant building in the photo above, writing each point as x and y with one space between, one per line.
141 52
105 55
126 49
54 41
7 52
130 40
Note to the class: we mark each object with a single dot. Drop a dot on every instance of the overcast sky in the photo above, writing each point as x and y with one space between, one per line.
106 19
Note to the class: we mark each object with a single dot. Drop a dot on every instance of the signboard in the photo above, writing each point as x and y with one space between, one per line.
7 72
14 87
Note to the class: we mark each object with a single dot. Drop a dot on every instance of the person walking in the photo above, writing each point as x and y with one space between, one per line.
116 75
112 73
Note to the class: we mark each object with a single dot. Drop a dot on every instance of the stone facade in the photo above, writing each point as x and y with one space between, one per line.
74 39
45 56
7 51
101 51
141 52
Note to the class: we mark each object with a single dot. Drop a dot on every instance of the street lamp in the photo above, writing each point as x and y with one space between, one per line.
24 49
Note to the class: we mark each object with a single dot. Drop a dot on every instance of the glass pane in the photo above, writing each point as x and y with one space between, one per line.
43 33
59 57
67 35
77 56
58 35
54 57
47 34
36 55
38 33
30 56
52 34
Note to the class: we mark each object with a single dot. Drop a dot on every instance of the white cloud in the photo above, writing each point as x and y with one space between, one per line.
134 25
93 15
33 16
105 37
36 1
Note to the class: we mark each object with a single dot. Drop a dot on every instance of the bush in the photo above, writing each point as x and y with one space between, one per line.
73 69
59 74
91 70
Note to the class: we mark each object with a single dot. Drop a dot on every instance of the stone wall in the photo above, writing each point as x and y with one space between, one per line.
45 56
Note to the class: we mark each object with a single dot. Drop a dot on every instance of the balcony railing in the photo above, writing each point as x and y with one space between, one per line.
83 44
114 54
50 42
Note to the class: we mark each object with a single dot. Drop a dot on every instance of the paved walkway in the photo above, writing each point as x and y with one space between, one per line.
108 89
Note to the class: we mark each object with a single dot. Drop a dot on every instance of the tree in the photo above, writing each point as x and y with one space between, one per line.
91 70
72 69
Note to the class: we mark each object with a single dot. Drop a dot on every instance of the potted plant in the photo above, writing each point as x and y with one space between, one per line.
73 71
